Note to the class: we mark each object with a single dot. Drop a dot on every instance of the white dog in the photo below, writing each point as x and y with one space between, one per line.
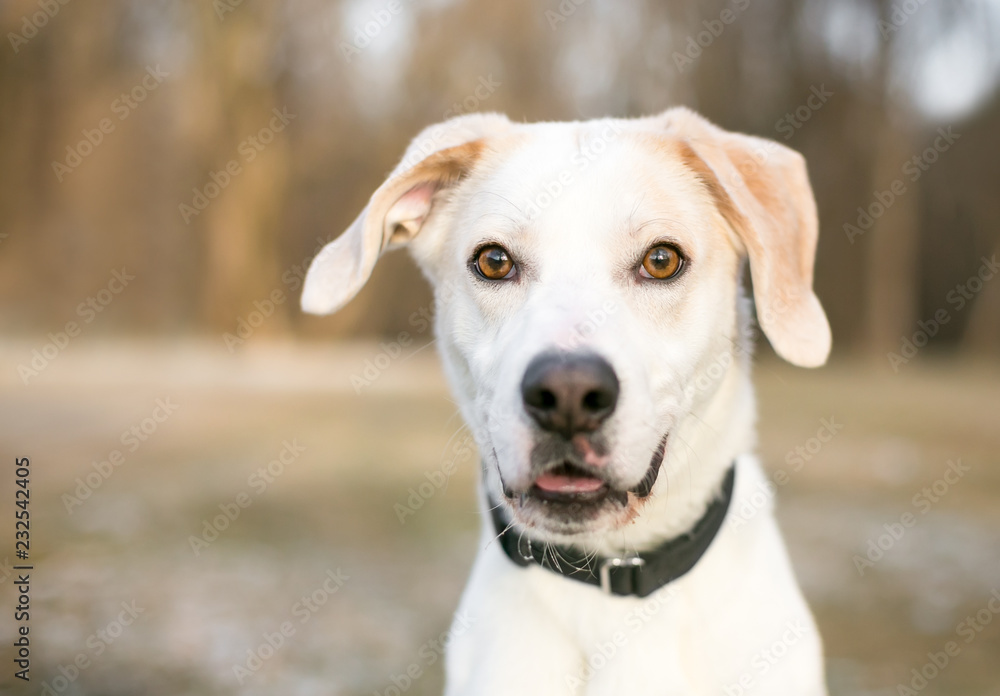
592 324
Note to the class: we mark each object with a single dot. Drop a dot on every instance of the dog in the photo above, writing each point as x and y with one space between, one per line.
592 323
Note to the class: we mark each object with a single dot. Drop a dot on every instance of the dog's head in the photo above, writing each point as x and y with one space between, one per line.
587 288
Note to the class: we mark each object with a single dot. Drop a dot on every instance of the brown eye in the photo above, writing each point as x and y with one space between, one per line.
661 262
494 263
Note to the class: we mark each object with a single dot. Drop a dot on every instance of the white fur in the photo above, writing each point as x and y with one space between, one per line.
681 352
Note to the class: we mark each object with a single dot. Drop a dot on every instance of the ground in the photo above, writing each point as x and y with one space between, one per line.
352 556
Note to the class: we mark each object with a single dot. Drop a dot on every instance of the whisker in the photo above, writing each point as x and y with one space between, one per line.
500 534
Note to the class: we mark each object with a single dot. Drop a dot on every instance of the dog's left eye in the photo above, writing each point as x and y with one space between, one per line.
494 263
661 262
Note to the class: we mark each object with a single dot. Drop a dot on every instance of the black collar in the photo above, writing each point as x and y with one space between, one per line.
639 575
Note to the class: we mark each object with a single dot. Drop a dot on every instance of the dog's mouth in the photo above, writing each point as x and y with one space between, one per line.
569 483
573 492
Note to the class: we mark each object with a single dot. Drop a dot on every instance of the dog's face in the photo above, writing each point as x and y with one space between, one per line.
574 315
586 279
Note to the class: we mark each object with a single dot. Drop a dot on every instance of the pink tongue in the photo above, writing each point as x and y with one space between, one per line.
567 484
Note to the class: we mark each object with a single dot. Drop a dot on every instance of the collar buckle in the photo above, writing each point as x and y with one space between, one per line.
633 562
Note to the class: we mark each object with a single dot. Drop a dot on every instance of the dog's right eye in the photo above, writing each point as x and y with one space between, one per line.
662 262
494 263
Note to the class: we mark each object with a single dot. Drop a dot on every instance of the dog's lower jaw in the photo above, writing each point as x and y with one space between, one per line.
568 516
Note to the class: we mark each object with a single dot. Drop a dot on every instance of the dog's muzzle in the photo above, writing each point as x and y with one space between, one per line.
570 397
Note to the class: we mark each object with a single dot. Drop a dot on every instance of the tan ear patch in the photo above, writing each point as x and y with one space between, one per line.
399 208
762 190
409 199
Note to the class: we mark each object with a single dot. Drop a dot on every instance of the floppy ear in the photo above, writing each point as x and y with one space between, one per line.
436 159
762 190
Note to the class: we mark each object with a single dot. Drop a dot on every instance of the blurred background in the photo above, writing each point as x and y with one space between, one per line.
167 171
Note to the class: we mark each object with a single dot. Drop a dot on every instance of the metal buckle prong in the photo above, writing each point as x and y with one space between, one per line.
608 563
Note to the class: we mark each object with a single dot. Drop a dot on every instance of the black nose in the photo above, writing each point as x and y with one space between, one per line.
569 393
